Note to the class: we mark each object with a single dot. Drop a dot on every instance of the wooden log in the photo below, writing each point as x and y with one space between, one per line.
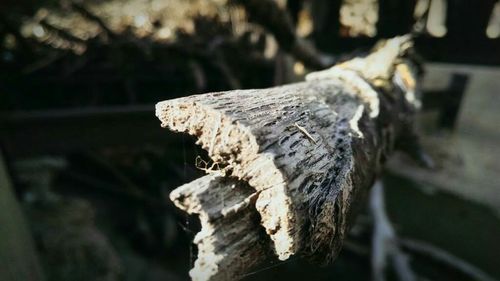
310 150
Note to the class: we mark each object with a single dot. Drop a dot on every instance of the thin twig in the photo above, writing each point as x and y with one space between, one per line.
64 34
446 258
385 243
305 132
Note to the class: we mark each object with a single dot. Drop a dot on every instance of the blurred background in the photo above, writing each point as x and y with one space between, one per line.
85 169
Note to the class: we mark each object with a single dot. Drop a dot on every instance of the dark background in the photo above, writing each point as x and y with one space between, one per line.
87 169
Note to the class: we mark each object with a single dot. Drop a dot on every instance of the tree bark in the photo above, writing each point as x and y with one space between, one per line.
301 156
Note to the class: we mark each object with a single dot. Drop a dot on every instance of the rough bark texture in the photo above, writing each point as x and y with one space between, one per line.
310 151
231 240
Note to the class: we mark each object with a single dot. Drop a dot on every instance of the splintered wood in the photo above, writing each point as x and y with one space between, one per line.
230 240
298 159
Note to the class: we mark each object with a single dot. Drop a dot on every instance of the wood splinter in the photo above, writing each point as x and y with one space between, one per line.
282 193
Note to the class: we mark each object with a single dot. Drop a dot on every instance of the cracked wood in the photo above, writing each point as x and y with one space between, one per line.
309 151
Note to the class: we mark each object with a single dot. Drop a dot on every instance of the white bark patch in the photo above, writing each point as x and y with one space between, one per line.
379 64
355 120
354 85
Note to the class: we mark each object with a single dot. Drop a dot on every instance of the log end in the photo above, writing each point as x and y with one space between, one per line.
233 147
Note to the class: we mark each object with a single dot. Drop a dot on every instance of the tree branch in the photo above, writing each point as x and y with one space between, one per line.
309 152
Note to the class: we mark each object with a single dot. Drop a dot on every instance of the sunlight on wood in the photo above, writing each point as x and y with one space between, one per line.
420 8
436 23
359 18
305 23
298 68
493 29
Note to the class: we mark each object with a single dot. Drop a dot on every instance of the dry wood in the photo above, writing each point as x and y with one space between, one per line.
308 153
231 240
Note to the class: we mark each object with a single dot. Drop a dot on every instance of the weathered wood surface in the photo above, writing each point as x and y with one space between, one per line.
230 236
308 152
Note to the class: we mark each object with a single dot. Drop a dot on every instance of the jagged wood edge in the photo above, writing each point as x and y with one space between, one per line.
231 240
